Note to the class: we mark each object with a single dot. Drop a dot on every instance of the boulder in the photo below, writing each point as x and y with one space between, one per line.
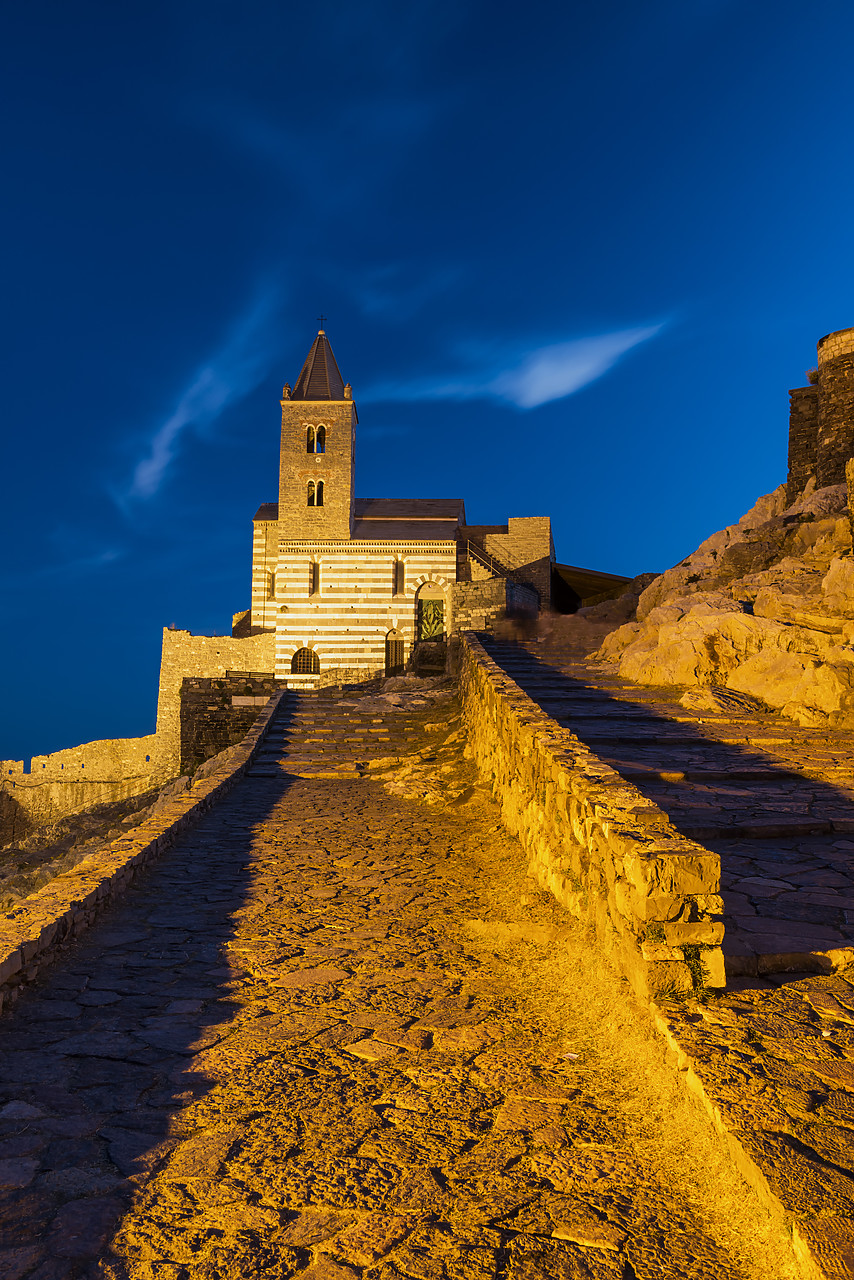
763 609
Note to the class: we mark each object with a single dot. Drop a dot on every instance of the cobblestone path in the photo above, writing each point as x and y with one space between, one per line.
325 1036
775 800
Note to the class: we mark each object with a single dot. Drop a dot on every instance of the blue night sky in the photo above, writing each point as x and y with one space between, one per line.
572 257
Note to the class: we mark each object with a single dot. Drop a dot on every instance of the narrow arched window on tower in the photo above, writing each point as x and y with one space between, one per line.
309 440
271 586
399 583
311 494
320 440
319 500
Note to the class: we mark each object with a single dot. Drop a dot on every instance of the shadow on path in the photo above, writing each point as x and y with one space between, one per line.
93 1058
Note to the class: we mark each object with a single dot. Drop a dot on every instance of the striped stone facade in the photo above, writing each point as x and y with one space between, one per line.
344 600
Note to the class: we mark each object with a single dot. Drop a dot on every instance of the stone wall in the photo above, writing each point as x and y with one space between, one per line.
477 606
188 656
821 417
67 781
835 406
608 854
216 714
803 439
526 549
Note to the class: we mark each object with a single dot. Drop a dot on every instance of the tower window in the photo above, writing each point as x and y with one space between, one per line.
271 586
305 662
311 493
314 578
399 580
318 501
315 439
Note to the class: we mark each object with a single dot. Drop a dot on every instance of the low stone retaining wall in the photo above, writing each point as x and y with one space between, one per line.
606 852
33 932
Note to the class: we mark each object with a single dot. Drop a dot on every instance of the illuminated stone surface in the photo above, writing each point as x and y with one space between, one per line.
214 1119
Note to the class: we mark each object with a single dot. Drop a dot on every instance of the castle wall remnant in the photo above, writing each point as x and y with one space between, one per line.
74 779
821 417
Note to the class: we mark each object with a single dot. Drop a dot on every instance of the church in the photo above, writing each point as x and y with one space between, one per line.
352 586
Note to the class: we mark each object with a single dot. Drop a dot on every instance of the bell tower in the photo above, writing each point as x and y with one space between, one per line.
317 453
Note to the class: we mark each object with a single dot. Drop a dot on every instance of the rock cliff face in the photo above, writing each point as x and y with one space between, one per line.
764 608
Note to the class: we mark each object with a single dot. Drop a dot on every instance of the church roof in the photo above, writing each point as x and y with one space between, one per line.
267 511
320 378
431 509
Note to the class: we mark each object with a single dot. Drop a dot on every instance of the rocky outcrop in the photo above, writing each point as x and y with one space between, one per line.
764 608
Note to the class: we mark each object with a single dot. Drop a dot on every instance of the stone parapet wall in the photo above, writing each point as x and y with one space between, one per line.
36 931
608 854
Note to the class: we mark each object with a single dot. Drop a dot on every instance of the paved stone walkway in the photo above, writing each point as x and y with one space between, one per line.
325 1036
775 800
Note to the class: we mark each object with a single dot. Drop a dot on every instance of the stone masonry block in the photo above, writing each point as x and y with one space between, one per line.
708 933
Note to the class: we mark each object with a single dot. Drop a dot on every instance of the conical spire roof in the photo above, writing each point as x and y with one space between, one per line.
320 378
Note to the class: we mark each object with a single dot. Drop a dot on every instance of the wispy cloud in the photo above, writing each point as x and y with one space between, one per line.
524 377
229 375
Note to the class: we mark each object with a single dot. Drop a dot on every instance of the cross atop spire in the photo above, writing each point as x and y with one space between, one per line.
320 378
321 320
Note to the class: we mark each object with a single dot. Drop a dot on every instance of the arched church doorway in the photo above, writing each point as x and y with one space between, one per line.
430 612
395 654
305 662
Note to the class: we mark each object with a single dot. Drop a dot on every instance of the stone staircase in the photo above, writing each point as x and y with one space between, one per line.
315 735
774 800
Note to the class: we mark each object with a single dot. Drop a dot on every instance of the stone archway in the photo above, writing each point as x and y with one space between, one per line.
430 612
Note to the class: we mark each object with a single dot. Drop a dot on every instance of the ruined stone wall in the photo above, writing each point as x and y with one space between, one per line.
803 439
74 779
216 714
185 655
608 854
835 406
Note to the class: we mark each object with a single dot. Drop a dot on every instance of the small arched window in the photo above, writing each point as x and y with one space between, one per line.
271 586
305 662
399 579
320 440
309 440
311 493
319 494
